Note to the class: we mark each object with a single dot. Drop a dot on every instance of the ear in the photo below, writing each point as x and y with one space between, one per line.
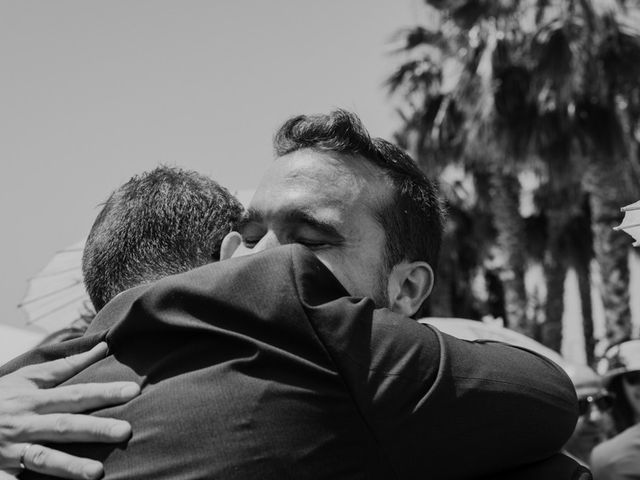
230 244
410 284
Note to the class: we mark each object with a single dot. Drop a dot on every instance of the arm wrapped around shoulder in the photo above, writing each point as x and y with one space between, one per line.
483 408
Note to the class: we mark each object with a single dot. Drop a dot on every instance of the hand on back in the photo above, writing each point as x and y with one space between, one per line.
33 411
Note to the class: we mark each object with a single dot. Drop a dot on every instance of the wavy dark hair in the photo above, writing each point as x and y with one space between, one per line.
413 220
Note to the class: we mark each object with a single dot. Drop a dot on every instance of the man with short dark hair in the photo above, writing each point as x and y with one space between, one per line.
412 218
162 222
276 365
362 199
159 223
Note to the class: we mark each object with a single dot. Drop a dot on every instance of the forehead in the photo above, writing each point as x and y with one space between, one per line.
321 182
588 389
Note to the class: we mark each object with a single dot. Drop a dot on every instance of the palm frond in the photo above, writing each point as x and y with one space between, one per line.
411 38
552 54
619 51
600 130
415 74
467 13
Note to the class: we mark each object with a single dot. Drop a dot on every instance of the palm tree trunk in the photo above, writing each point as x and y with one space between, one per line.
555 271
584 287
606 185
611 250
505 199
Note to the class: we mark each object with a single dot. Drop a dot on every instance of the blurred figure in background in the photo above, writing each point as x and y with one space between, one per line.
619 457
593 403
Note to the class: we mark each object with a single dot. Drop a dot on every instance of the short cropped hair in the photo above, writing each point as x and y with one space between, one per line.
413 220
160 223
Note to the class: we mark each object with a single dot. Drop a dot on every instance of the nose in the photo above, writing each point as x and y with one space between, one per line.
595 415
270 240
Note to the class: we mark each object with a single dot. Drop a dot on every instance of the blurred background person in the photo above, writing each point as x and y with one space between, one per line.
594 401
619 457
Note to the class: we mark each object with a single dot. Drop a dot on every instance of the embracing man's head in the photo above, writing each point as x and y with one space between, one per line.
160 223
360 203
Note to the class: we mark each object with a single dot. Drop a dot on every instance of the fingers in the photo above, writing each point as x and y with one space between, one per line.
83 397
52 373
30 414
51 462
65 428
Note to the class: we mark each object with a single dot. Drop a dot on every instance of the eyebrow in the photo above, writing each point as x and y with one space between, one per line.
250 215
292 216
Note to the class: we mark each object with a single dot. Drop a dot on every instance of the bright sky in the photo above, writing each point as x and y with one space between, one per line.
92 93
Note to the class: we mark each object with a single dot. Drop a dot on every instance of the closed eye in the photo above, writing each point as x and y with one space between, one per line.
314 244
251 233
251 241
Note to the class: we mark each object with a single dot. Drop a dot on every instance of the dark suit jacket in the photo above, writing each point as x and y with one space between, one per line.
263 367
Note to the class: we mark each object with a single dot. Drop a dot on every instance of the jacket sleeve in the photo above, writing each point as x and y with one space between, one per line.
440 404
619 457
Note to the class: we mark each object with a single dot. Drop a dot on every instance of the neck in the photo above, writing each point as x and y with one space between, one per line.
579 455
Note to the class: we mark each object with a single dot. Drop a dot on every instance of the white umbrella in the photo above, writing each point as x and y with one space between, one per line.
56 296
474 330
631 222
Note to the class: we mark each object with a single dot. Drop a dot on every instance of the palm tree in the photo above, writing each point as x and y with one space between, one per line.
469 233
578 248
451 106
567 242
586 78
549 86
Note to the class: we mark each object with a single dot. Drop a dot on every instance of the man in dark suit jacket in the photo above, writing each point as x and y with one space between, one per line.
288 376
373 220
164 221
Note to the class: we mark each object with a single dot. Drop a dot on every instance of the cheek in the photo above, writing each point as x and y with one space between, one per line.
241 251
579 426
366 279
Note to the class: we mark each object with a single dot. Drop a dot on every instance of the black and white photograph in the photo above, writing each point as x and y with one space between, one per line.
357 239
